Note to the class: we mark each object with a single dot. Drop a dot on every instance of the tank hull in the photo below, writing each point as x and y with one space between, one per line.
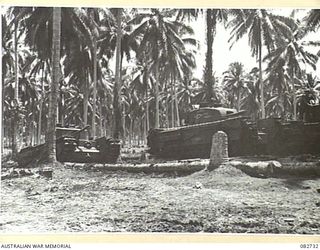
195 141
101 150
266 137
289 138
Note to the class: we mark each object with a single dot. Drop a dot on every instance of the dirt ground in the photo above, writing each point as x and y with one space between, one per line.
225 200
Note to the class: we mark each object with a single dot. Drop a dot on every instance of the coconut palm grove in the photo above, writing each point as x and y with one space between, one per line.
160 120
125 71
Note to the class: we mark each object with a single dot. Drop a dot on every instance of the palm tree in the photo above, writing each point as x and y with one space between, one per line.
141 84
56 34
251 102
186 93
262 26
117 84
7 67
201 91
153 32
213 16
160 40
16 92
278 83
78 32
93 17
180 62
312 85
309 94
313 19
235 81
290 55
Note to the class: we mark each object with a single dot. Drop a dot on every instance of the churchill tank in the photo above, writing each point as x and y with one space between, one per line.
193 140
271 136
287 137
72 146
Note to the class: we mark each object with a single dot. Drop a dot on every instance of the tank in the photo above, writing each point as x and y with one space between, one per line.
194 139
71 147
272 136
285 138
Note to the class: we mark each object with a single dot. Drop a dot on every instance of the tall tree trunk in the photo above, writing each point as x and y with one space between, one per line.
263 112
239 100
140 132
157 94
85 86
208 75
101 119
117 84
85 99
4 133
172 107
52 114
294 98
16 80
94 89
176 105
35 132
145 130
62 108
131 131
283 110
145 79
167 113
147 112
16 95
40 105
124 122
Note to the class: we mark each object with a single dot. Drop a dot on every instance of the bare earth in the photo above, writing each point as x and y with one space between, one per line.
225 200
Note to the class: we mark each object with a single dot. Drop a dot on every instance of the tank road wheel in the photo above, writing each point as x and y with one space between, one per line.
87 145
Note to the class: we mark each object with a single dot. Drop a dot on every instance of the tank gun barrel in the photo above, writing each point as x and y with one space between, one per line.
75 133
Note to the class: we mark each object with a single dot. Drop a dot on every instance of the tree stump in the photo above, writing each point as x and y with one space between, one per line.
219 149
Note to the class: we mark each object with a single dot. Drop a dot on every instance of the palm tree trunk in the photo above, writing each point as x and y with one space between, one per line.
239 100
263 112
30 132
157 94
101 119
16 95
131 131
147 117
208 76
140 132
52 114
147 111
145 83
94 89
167 113
62 108
3 123
35 138
281 94
124 122
41 104
106 126
172 107
85 99
13 137
176 105
145 130
16 89
294 99
117 85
